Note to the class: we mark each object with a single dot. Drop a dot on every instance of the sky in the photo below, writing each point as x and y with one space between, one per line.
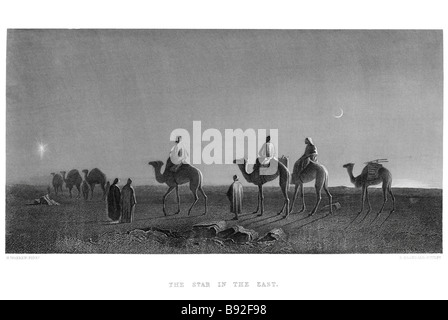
111 98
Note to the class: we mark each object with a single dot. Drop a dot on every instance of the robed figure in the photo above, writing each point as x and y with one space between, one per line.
310 155
114 202
128 202
235 196
178 155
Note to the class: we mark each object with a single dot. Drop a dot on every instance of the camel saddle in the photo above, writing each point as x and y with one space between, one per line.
372 171
171 167
258 165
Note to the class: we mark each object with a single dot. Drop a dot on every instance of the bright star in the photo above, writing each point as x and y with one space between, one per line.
42 148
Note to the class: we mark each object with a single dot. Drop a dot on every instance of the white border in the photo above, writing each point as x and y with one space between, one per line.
300 277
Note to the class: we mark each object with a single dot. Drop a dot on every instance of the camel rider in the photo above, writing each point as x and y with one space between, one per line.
178 155
310 154
266 154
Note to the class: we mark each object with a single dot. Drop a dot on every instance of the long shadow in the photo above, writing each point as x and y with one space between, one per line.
356 218
306 224
250 216
315 220
277 219
260 220
246 214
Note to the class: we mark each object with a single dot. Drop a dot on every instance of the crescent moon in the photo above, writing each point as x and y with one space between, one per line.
340 116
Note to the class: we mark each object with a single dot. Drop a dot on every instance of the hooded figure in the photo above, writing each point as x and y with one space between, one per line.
235 196
128 202
114 202
309 155
267 152
178 155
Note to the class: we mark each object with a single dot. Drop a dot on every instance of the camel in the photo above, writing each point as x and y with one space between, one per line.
73 179
94 177
313 171
384 177
85 188
259 180
186 174
58 181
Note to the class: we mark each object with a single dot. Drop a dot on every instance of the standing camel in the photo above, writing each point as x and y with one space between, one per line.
383 176
58 181
313 171
259 180
94 177
186 174
85 188
73 179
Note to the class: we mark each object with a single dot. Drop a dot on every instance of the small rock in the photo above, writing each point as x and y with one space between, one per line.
274 235
336 206
243 235
209 229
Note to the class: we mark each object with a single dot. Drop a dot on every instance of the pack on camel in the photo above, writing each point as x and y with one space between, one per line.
373 174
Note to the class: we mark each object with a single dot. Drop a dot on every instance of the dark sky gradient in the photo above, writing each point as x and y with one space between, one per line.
110 98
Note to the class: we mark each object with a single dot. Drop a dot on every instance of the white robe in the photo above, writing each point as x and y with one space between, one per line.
266 154
179 154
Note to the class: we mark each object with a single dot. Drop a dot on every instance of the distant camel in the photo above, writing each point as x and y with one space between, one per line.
313 171
186 174
85 188
58 181
384 176
73 179
94 177
259 180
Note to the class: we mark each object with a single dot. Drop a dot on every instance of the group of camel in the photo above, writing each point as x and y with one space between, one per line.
74 179
313 172
188 174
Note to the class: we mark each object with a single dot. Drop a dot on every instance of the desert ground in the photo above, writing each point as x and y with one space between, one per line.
78 226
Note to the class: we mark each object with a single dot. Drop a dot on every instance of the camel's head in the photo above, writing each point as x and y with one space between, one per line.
348 165
156 163
52 173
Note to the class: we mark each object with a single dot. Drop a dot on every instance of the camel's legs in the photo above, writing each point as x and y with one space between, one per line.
103 187
318 199
92 187
79 192
70 189
258 203
196 199
364 189
261 196
370 206
286 203
302 194
164 199
362 208
393 209
330 197
393 199
205 198
384 203
178 200
296 194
